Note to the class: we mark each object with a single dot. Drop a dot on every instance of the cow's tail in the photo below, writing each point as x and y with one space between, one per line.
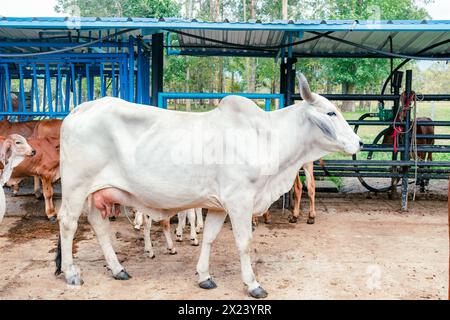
58 257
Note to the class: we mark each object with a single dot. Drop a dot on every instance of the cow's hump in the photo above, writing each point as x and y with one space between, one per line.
238 105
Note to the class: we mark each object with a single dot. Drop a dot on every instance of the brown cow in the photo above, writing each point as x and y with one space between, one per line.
48 128
45 166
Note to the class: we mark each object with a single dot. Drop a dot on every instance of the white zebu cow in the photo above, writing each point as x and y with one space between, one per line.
13 150
113 151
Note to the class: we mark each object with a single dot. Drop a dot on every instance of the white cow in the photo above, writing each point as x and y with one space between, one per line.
13 150
236 159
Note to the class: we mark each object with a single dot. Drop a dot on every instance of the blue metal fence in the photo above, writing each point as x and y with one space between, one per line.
53 84
267 97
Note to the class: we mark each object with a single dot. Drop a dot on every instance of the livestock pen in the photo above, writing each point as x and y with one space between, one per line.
57 62
51 65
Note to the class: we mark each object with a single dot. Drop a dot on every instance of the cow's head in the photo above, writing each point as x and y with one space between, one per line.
15 148
334 133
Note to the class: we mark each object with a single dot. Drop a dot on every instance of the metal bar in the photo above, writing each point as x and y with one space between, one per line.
59 95
157 66
102 81
2 93
67 97
22 90
49 90
80 82
267 105
406 142
113 80
377 97
131 97
74 84
36 89
379 175
386 163
139 73
8 88
387 123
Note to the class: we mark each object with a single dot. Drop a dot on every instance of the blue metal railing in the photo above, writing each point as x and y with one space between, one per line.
267 97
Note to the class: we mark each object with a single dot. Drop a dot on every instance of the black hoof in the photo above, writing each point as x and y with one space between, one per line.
207 284
58 272
112 218
293 219
122 275
172 252
52 219
310 221
75 281
258 293
178 240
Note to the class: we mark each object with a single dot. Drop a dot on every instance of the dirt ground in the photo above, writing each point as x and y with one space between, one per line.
361 247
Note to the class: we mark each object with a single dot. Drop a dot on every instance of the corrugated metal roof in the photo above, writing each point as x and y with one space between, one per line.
408 36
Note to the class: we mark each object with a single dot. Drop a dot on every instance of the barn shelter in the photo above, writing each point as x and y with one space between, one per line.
56 64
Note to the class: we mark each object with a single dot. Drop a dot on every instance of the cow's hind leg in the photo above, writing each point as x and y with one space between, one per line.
213 224
199 218
242 230
101 229
180 226
193 236
48 195
311 186
297 199
68 222
148 248
166 231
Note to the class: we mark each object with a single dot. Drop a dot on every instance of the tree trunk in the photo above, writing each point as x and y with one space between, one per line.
284 9
348 88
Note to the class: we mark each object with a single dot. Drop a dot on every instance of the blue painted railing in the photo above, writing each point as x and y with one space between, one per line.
267 97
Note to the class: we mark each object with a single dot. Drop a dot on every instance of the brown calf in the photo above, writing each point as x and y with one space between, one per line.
44 165
48 128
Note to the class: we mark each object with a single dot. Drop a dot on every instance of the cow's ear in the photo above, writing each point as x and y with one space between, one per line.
323 123
5 151
304 89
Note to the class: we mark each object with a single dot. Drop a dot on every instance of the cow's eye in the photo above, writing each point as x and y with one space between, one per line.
18 142
331 114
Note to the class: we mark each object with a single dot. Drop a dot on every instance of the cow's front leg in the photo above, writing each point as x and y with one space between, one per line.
101 229
48 196
242 230
213 224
